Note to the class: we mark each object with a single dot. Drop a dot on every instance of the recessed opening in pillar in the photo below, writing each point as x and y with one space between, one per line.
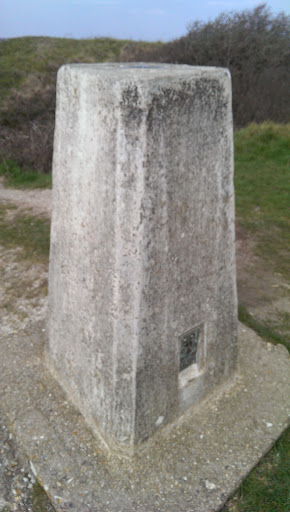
191 350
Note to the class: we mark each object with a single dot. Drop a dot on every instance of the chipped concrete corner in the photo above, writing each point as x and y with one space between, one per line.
142 242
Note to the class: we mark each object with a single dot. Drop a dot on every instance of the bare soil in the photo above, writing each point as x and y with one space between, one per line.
264 293
38 201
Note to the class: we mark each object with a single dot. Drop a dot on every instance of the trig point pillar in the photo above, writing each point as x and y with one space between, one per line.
142 284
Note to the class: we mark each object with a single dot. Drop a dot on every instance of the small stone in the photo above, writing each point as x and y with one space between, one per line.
33 470
159 421
210 485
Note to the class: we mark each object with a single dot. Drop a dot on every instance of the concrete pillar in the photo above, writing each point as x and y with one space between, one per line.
142 284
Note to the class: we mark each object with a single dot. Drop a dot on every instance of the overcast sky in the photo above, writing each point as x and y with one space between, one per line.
125 19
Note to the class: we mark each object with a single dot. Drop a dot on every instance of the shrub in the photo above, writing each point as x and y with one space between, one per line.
26 128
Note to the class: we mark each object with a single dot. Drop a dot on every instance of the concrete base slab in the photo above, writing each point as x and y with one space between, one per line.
191 467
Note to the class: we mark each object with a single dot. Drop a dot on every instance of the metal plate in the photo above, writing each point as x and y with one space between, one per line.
188 348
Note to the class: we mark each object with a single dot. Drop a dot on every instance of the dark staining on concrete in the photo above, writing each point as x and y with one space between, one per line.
184 101
132 113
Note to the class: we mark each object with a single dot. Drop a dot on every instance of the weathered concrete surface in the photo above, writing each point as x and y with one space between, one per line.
142 241
192 467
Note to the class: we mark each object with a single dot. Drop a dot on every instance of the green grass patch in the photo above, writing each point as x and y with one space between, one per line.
262 184
28 232
267 488
40 500
15 176
266 332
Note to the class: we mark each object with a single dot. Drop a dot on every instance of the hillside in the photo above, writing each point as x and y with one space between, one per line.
28 62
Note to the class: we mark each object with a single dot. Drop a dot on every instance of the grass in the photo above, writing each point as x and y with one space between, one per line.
262 183
40 500
267 488
265 331
17 177
23 56
26 231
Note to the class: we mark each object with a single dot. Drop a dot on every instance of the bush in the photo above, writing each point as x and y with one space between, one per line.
26 128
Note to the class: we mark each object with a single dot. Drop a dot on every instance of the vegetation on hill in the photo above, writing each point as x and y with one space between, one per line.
27 92
31 62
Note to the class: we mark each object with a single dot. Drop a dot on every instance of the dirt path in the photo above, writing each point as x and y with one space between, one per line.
38 201
264 293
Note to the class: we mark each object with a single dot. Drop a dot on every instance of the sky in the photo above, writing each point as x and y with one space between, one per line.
148 20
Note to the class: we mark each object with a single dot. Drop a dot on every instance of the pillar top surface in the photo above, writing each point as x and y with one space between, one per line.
144 70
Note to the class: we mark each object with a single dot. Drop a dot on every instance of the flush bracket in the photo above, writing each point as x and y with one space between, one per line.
192 354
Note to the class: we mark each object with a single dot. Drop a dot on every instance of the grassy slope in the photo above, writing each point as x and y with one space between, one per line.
21 57
27 91
25 56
